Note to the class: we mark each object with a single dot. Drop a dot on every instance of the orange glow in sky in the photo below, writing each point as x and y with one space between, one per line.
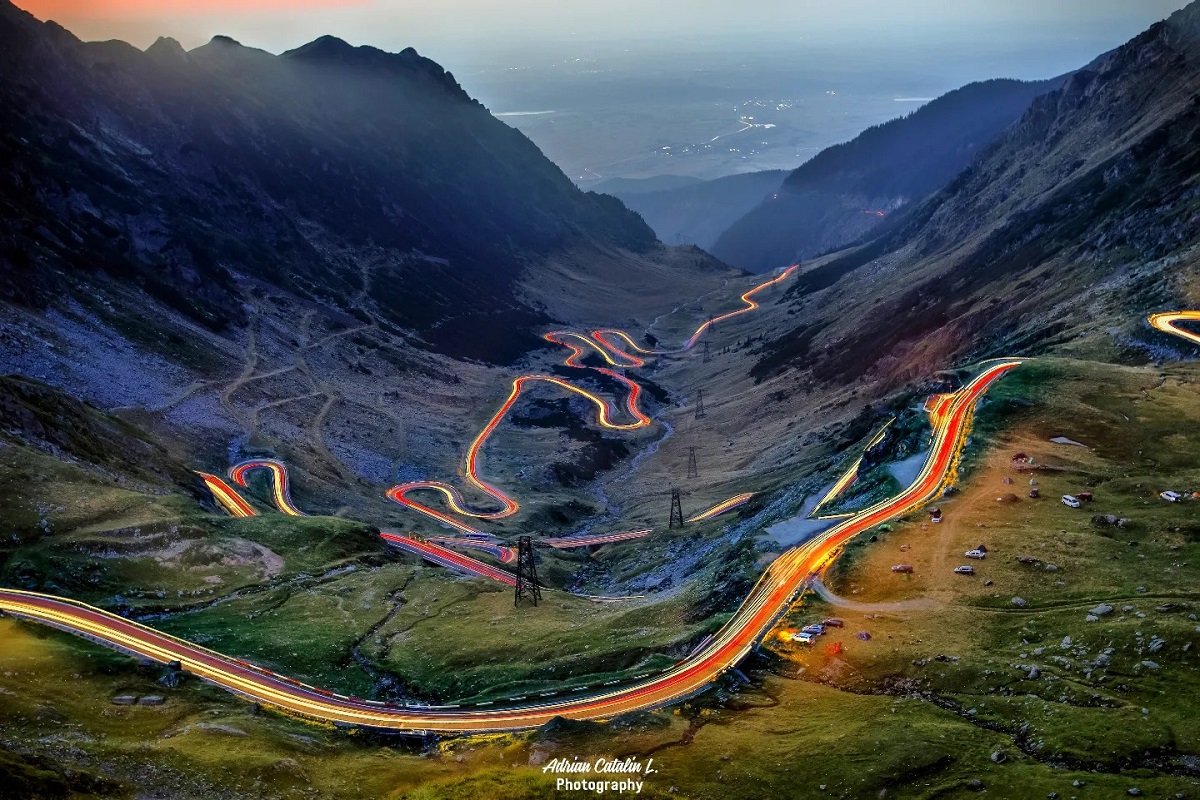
64 9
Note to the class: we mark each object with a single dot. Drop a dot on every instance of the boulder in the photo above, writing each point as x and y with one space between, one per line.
1020 602
1101 610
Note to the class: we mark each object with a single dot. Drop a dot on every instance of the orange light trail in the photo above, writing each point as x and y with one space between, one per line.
227 496
431 551
588 540
508 506
850 476
722 507
746 298
578 344
770 597
280 486
446 557
1168 322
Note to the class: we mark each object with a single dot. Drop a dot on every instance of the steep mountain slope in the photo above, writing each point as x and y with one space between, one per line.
847 190
179 170
698 213
1077 222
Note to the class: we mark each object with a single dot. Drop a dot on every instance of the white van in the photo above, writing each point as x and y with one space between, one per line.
1071 501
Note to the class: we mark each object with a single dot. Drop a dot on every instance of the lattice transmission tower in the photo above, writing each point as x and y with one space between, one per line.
527 582
676 508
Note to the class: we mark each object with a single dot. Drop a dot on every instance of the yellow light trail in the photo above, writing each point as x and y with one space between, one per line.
771 596
280 485
1168 322
229 499
850 476
722 507
578 344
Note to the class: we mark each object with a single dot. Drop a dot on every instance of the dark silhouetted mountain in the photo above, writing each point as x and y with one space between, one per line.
349 174
847 190
698 212
1076 223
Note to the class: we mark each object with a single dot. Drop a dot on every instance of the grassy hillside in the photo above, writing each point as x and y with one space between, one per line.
922 708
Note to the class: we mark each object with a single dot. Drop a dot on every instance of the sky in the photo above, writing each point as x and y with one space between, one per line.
464 30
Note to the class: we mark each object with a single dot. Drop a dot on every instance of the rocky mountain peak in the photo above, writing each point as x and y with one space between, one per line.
167 48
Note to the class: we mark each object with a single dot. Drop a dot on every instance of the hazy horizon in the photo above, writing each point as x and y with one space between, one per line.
621 89
461 31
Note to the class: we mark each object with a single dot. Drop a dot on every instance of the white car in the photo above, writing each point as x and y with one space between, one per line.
803 638
976 554
1171 497
964 570
1071 501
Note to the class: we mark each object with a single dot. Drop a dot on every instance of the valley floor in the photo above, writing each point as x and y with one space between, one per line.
1026 698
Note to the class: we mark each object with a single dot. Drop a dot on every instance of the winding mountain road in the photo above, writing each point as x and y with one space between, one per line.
599 342
1168 322
771 596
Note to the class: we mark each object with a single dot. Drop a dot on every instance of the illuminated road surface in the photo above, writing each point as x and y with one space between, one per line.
502 553
723 507
432 550
227 496
601 342
850 476
445 557
1168 322
280 487
594 539
770 597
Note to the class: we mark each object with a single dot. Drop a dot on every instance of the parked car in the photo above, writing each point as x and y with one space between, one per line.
1171 497
965 569
1071 501
833 622
803 638
906 568
980 554
816 629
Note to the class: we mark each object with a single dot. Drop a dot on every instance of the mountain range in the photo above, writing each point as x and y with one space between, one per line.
1065 232
348 174
763 220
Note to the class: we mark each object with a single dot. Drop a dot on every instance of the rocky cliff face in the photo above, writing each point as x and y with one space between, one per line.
365 179
1075 223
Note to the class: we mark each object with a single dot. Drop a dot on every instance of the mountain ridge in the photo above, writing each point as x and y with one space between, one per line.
845 191
1084 210
179 169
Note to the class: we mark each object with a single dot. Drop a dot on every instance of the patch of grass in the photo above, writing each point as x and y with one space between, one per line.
305 630
464 640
